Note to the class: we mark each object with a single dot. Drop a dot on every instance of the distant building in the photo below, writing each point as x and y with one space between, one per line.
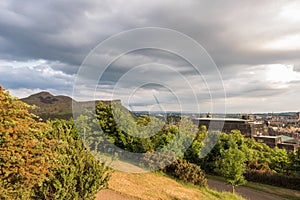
271 141
281 141
248 128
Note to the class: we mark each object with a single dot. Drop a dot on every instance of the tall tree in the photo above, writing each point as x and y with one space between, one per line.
232 166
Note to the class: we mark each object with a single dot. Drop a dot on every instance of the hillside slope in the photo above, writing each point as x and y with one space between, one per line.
49 106
155 186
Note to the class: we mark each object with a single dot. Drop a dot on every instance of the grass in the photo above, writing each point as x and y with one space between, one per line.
157 185
154 186
278 191
282 192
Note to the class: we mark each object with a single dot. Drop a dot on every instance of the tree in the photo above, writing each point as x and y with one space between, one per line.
193 152
25 154
295 161
280 160
232 166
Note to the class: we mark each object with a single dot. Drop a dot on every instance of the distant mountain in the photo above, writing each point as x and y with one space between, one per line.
49 106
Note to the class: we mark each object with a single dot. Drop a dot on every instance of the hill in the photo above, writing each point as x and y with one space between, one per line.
49 106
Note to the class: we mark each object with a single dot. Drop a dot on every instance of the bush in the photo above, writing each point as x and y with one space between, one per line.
187 172
156 161
80 175
25 154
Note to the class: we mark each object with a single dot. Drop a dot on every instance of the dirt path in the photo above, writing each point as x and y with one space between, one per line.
112 195
243 191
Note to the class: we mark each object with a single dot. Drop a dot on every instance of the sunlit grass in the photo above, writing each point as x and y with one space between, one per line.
159 186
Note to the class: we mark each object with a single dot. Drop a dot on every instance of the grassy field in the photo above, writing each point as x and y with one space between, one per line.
282 192
154 186
278 191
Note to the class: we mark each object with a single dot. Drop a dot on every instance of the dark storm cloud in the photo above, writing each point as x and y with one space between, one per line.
54 30
67 31
237 34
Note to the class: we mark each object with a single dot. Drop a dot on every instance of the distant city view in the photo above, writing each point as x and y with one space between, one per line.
148 100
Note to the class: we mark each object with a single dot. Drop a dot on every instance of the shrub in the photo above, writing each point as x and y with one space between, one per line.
156 161
187 172
25 154
80 175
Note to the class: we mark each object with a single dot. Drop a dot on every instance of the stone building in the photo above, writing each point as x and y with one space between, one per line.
248 128
281 141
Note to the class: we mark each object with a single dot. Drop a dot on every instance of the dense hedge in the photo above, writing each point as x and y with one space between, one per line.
276 179
188 172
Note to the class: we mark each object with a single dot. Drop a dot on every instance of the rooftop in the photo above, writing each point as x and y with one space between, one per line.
285 138
282 137
266 136
222 119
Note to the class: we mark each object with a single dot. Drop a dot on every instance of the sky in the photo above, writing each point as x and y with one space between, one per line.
253 45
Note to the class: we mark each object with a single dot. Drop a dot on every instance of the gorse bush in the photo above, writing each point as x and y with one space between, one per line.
155 160
25 154
187 172
44 160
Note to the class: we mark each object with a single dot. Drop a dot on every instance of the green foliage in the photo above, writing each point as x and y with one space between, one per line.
279 160
143 134
80 175
193 152
119 127
187 172
231 165
147 134
262 161
257 154
25 155
295 162
90 133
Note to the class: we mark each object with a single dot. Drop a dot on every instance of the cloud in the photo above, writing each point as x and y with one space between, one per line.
34 75
59 30
263 87
42 45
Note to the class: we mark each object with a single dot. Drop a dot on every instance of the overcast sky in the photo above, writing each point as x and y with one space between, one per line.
254 44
